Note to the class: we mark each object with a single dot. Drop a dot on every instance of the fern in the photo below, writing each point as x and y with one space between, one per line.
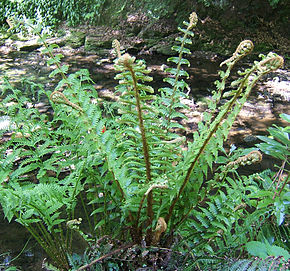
134 176
255 264
171 96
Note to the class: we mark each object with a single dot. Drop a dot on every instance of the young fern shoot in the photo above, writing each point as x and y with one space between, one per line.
177 84
228 111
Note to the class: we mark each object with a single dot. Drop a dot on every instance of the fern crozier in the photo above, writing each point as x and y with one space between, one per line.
271 63
117 47
244 48
58 97
193 19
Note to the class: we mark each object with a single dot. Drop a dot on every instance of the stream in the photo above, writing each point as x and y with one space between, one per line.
267 101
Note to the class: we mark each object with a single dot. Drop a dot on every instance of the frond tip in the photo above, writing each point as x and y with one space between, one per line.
271 63
117 47
72 223
193 19
126 60
250 158
58 97
244 48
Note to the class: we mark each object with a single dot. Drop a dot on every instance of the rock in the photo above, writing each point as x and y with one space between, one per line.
157 31
4 35
76 39
58 41
15 37
250 140
164 47
28 46
94 43
103 52
165 50
136 21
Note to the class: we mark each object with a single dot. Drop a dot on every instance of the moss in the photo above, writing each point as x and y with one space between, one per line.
94 43
263 47
76 39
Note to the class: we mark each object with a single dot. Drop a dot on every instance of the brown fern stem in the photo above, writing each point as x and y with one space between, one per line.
275 63
141 124
150 213
248 91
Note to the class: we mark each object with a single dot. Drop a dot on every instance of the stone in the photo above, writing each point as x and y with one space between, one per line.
28 46
76 39
250 140
94 43
165 49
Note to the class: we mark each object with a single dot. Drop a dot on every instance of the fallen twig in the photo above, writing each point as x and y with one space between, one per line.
105 256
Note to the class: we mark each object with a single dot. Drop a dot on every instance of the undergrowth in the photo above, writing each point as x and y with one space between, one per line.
138 182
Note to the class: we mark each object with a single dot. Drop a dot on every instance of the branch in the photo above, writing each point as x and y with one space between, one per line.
105 256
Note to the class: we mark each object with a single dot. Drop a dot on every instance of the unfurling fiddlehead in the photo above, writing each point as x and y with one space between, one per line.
244 48
250 158
234 105
59 97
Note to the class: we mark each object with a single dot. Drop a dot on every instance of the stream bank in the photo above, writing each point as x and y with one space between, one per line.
23 59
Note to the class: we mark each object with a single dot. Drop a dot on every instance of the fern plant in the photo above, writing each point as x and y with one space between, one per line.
134 175
149 159
43 163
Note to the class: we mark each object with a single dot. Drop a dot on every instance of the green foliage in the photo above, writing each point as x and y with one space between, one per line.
6 7
255 264
277 144
225 3
274 3
215 3
46 12
52 12
134 176
263 250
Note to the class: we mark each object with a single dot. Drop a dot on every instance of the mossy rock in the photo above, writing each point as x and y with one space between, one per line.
151 42
103 52
263 47
148 33
94 43
14 37
76 39
4 35
28 46
164 49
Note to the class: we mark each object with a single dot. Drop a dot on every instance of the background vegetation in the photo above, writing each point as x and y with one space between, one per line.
52 12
